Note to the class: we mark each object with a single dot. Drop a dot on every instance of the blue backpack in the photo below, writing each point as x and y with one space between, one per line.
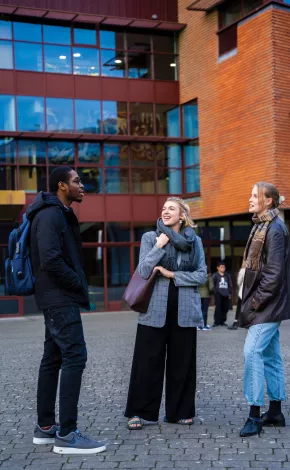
19 279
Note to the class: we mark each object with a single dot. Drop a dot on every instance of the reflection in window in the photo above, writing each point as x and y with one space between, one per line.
111 40
169 181
7 150
116 154
94 269
32 179
27 32
8 178
192 180
168 155
56 34
113 63
88 116
89 152
118 232
5 29
191 155
57 59
86 61
6 55
165 67
7 113
142 154
117 181
59 115
91 179
141 119
143 180
167 120
31 152
164 43
118 264
30 113
85 36
139 64
190 120
138 42
141 228
28 56
92 232
114 117
61 153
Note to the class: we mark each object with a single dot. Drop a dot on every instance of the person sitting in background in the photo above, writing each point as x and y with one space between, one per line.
240 283
205 292
222 294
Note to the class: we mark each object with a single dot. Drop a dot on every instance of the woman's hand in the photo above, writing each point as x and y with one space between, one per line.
164 272
162 240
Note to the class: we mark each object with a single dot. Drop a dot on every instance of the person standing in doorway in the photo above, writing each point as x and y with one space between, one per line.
60 290
240 282
222 294
205 293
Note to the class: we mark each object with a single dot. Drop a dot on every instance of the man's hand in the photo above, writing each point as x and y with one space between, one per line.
164 272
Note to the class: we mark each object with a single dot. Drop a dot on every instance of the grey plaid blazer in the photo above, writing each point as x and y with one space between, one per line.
189 305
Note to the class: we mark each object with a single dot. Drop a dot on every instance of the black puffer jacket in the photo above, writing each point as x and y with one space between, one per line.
56 253
266 293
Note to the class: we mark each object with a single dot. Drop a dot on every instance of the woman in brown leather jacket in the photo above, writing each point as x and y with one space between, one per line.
265 303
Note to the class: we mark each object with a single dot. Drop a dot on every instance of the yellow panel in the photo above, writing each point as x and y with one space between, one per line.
12 198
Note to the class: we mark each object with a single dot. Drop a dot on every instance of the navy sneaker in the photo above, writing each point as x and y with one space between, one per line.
76 443
42 436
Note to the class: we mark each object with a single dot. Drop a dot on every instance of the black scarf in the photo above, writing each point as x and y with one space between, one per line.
184 243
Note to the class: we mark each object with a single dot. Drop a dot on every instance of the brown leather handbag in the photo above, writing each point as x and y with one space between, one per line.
139 291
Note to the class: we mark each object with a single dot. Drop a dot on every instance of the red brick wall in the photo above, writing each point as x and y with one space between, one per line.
241 119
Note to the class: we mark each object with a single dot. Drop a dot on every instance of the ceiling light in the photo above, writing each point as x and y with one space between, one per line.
118 61
93 68
62 57
172 64
76 54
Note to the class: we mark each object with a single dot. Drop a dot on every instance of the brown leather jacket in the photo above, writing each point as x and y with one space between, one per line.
266 293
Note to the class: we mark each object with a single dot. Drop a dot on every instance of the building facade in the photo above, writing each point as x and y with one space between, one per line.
94 87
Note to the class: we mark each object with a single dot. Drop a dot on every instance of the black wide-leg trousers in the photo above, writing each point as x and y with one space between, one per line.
173 347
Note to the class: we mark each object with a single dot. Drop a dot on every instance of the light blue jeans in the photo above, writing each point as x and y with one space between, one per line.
263 361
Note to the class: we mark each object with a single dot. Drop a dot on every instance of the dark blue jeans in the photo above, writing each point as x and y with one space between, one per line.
65 349
204 308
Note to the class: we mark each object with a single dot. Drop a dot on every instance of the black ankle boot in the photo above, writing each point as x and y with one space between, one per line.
252 427
270 420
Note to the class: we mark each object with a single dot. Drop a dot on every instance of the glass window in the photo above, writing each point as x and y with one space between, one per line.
57 59
230 13
118 232
30 113
190 120
165 67
61 153
142 154
192 180
139 65
111 40
169 181
215 227
7 150
141 228
32 179
59 115
86 61
117 181
85 36
88 116
28 56
141 119
8 178
57 34
113 63
168 155
116 154
6 55
5 29
114 118
250 5
91 179
89 152
92 231
138 42
27 32
167 120
164 43
31 152
241 230
7 113
94 269
143 180
118 266
191 155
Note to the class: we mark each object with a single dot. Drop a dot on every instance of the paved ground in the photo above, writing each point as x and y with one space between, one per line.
212 442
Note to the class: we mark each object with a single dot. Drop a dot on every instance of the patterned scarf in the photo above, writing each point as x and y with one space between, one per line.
255 243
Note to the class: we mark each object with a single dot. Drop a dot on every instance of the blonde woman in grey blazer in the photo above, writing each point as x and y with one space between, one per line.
166 333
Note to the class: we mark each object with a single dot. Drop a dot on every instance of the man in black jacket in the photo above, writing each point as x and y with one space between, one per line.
60 290
222 294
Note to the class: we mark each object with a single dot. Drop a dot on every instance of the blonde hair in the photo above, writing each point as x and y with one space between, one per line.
184 209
